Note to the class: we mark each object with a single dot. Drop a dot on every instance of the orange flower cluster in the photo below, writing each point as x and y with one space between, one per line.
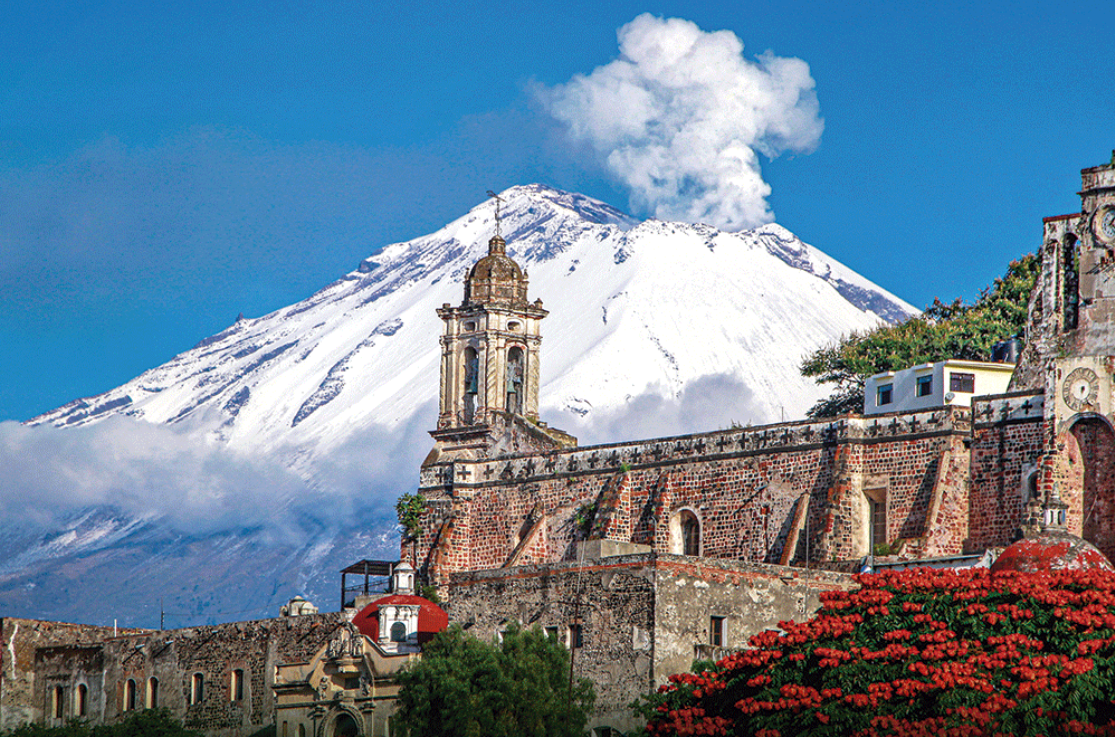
918 652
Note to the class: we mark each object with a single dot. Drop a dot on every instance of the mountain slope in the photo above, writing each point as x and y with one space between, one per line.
257 464
635 307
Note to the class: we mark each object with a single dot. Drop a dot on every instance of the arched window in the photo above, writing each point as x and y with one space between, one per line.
80 702
515 381
130 695
1071 282
152 693
685 533
56 702
197 688
301 730
398 632
237 690
472 383
690 534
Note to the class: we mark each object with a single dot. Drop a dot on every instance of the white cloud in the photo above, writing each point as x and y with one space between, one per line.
196 486
681 116
715 401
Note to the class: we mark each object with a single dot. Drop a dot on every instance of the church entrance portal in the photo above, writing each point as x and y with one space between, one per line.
345 726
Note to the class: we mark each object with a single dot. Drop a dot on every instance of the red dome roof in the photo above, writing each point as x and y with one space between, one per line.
1051 552
431 618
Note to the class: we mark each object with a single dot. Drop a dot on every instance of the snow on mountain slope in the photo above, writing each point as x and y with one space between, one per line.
635 308
269 456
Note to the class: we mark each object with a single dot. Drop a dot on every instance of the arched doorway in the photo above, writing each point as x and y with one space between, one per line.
344 726
1096 443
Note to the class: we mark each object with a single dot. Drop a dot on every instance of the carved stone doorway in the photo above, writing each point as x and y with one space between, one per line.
345 726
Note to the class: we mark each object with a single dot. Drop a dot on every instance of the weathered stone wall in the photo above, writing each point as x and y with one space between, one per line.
745 486
750 598
1007 445
613 597
643 616
49 655
24 694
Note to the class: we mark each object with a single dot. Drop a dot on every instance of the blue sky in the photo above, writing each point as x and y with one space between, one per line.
163 169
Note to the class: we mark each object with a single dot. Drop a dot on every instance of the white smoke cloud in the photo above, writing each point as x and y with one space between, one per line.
681 116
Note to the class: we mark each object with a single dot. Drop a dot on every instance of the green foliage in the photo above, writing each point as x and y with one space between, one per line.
410 509
883 549
146 723
463 687
584 515
429 593
943 331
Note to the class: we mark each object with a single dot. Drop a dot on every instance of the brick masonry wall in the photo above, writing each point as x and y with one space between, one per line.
744 486
1003 447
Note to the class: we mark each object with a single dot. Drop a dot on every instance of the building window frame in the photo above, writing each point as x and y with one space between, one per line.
197 688
130 695
961 381
151 698
717 630
57 699
236 690
81 700
575 635
884 394
923 385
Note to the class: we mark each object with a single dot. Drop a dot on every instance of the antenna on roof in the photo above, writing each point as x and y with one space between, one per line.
498 200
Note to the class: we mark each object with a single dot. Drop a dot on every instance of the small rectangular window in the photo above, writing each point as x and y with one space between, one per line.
716 631
884 394
925 385
962 383
552 633
576 636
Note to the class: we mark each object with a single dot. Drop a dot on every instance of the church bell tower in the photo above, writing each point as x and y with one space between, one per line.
490 363
489 351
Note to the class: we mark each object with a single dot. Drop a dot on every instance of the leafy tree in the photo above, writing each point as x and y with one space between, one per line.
918 652
463 687
145 723
943 331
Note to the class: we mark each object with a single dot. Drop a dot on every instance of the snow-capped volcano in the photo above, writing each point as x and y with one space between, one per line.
255 465
635 308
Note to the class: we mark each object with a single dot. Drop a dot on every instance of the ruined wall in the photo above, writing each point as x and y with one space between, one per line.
24 694
750 598
745 486
49 655
1007 445
643 617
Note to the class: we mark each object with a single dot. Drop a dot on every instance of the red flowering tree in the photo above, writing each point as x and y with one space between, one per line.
920 652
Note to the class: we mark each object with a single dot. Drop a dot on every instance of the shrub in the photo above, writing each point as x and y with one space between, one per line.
920 652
